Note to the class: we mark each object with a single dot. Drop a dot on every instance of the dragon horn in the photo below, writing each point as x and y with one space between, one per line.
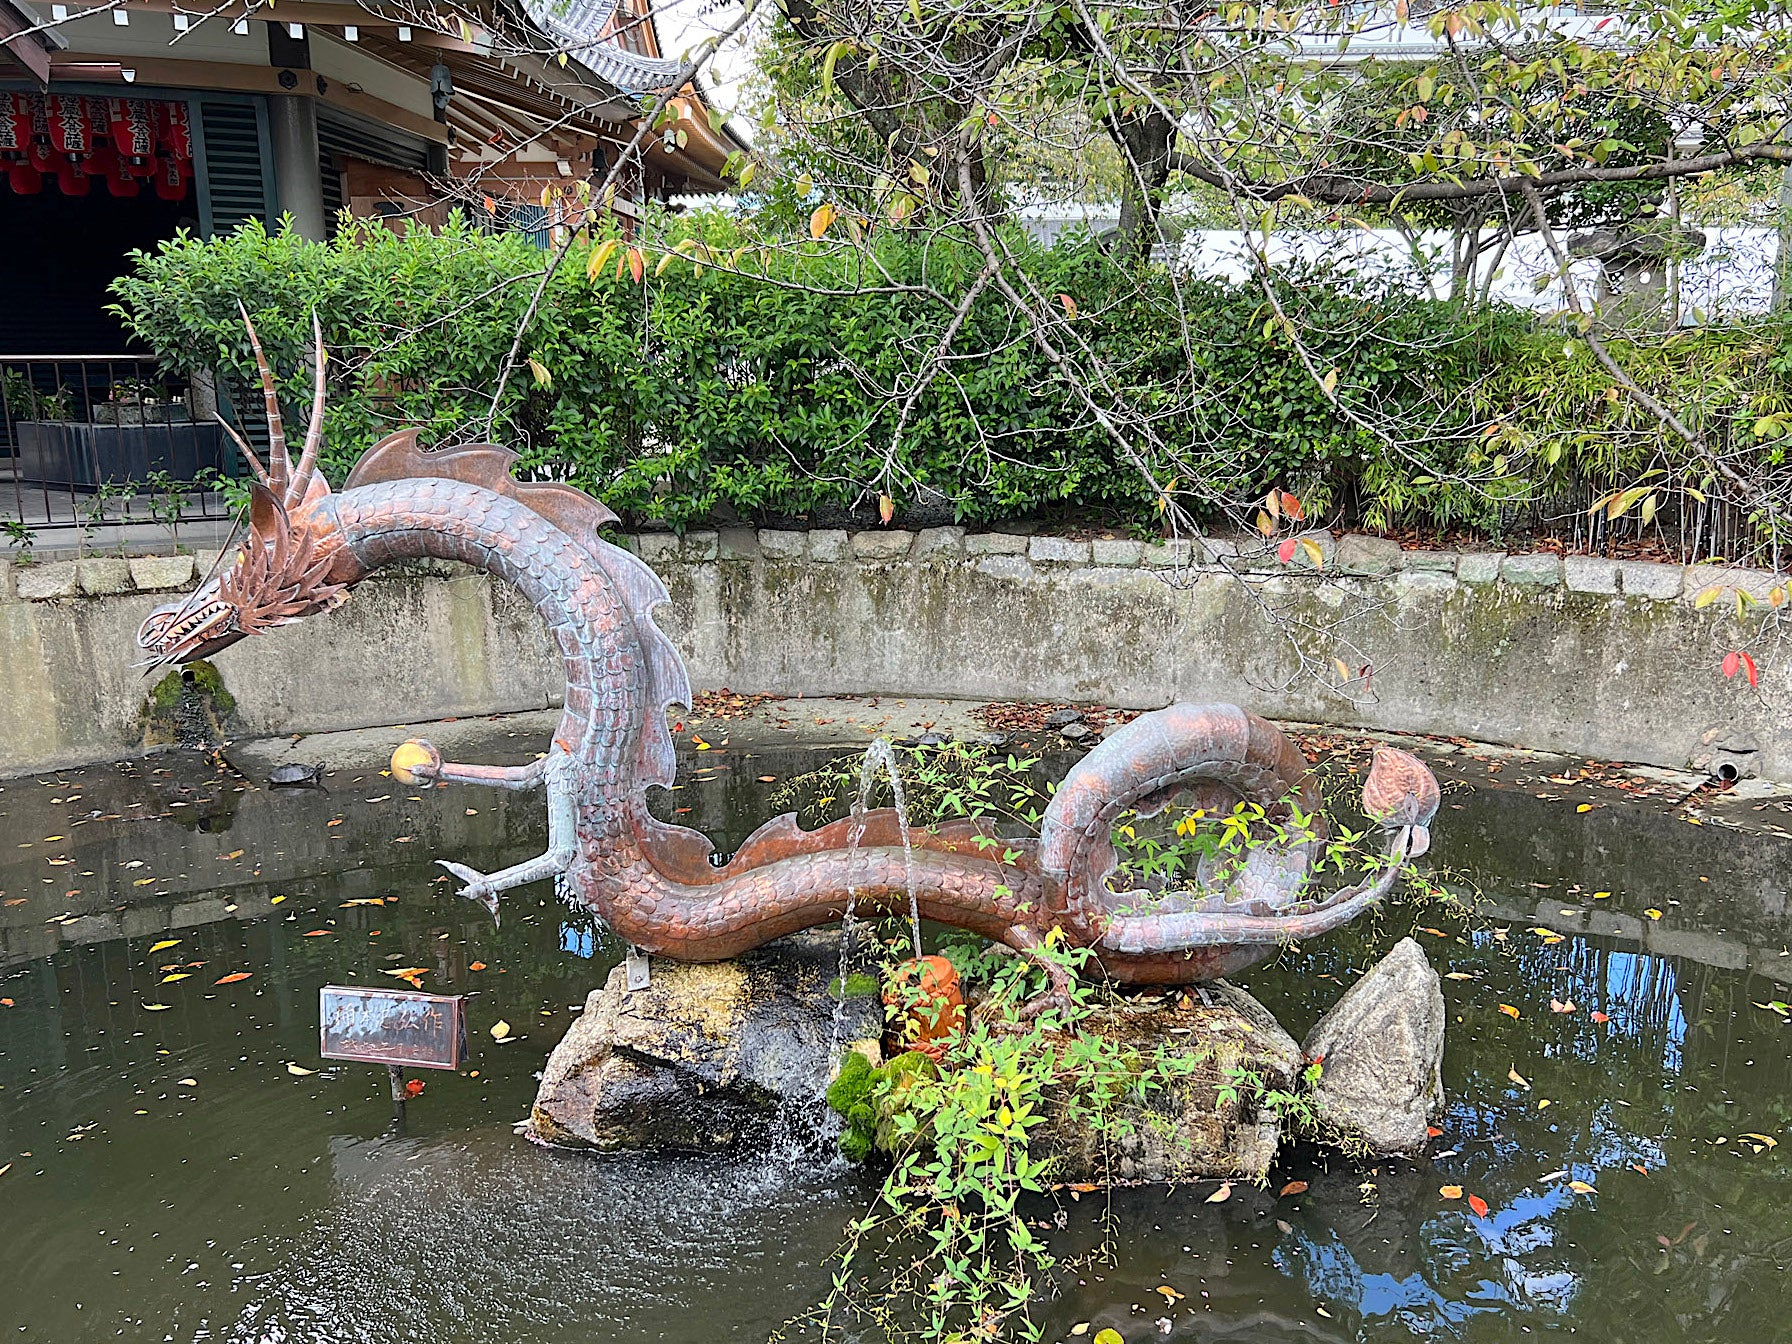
261 472
279 464
314 432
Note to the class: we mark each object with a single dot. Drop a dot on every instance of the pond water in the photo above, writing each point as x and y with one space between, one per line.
166 1174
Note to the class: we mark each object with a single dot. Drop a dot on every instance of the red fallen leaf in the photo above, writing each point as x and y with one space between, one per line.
7 1003
320 933
413 1087
1639 1168
1559 1006
1602 1017
1285 552
1508 1010
1294 1188
477 966
1432 1131
233 977
1479 1205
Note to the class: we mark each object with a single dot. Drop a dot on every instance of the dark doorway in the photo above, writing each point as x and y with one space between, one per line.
57 255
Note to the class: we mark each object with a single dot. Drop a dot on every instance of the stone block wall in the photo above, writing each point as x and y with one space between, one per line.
1609 659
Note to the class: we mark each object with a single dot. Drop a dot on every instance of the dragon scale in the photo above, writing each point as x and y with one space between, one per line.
656 884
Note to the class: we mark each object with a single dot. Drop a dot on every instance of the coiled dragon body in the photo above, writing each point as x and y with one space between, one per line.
655 884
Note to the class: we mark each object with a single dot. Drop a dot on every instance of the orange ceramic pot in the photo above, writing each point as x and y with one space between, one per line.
928 989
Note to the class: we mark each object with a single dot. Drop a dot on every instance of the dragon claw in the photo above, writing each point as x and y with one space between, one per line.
477 888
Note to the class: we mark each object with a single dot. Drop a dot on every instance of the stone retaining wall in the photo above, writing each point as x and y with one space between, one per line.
1610 659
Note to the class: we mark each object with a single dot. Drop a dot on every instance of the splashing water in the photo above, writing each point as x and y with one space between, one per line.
880 755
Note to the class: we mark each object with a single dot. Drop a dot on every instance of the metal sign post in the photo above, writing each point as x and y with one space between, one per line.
395 1027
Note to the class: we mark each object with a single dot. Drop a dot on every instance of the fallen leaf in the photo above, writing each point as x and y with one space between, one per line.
1080 1328
299 1071
1584 807
500 1030
1432 1131
477 966
1450 1191
1109 1336
155 1007
178 975
413 1088
1459 975
233 977
234 854
320 933
1509 1010
1582 1188
1221 1195
166 942
1601 1017
1653 913
1479 1205
1293 1188
186 1082
1558 1006
1169 1294
5 1169
1517 1077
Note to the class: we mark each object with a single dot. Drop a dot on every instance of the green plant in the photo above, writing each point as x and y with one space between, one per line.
22 535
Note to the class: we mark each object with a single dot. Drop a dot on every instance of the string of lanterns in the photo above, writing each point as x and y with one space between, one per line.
76 140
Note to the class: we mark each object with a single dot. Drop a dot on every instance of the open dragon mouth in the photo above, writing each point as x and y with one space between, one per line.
179 633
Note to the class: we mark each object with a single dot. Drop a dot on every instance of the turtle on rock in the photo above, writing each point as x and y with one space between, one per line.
296 776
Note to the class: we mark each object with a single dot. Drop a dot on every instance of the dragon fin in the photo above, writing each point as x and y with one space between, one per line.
397 457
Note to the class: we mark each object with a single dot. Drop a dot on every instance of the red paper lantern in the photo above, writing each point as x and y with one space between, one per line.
23 178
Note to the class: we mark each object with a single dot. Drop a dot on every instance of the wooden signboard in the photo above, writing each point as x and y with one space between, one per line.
404 1029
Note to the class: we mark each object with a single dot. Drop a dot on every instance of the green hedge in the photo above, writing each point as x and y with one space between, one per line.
703 391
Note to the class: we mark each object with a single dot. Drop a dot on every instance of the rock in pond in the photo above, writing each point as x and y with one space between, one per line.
708 1054
1211 1121
1381 1051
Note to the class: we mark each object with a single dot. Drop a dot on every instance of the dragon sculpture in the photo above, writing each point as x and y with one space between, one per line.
656 884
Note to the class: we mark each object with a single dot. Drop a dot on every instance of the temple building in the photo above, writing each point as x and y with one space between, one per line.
121 124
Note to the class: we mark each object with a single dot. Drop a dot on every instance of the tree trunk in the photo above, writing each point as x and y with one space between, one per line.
1144 139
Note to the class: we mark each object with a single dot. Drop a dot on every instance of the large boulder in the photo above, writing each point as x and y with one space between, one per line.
1381 1052
706 1055
1214 1120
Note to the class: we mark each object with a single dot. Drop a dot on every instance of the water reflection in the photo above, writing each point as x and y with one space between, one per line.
172 1178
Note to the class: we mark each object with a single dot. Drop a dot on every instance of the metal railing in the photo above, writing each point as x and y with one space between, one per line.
105 441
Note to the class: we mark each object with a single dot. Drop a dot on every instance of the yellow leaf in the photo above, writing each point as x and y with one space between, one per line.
542 377
155 1007
186 1082
1109 1336
886 508
178 975
1653 913
1518 1078
1169 1293
1584 807
665 261
298 1072
500 1030
1509 1010
1310 549
1221 1195
1582 1188
1706 597
820 220
1767 1140
166 942
1450 1191
600 257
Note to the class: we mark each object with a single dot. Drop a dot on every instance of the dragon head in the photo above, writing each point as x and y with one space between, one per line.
290 565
